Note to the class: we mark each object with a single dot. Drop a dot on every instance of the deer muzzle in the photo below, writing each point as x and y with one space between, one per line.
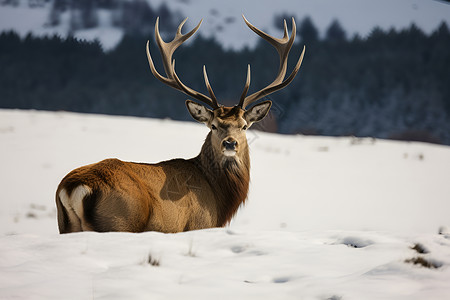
229 147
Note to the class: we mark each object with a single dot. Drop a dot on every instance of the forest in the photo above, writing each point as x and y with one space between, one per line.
391 84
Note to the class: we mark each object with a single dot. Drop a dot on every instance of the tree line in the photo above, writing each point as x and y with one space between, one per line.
390 84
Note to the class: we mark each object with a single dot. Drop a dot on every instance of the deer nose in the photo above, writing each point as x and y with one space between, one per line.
229 144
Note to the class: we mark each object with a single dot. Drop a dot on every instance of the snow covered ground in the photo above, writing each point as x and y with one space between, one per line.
327 218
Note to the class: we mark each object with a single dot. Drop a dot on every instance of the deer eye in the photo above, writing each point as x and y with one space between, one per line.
245 127
213 127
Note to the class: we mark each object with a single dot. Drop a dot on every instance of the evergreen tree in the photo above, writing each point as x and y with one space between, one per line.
166 18
308 31
88 13
137 18
335 32
390 84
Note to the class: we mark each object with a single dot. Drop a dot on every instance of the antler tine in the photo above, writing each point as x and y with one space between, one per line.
196 95
286 34
247 85
155 72
270 89
208 86
283 46
167 50
272 40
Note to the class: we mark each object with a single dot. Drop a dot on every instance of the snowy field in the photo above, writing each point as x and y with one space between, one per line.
327 218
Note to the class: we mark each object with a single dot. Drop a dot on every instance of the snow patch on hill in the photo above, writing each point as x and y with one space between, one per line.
222 19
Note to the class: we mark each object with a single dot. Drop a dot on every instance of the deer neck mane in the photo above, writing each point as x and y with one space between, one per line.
229 178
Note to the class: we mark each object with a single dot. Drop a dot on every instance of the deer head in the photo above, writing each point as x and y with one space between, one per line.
228 125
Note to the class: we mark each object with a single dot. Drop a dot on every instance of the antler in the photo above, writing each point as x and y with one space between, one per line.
172 80
283 46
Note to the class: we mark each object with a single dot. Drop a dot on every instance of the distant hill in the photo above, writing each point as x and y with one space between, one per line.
109 20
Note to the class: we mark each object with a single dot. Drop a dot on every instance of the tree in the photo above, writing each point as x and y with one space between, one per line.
335 32
308 31
167 22
89 13
83 14
138 18
54 16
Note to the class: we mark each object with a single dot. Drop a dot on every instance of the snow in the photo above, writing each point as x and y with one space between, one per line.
222 19
327 218
217 263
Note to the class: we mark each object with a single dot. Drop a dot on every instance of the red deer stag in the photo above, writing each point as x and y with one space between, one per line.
179 194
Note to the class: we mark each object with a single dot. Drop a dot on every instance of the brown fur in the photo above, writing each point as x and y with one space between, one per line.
171 196
228 179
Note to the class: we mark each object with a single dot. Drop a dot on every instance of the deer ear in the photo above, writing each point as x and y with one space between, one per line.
257 112
199 112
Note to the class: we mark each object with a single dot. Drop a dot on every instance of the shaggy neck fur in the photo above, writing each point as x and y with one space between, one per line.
228 176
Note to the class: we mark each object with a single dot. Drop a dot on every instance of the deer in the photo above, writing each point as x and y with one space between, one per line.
179 194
